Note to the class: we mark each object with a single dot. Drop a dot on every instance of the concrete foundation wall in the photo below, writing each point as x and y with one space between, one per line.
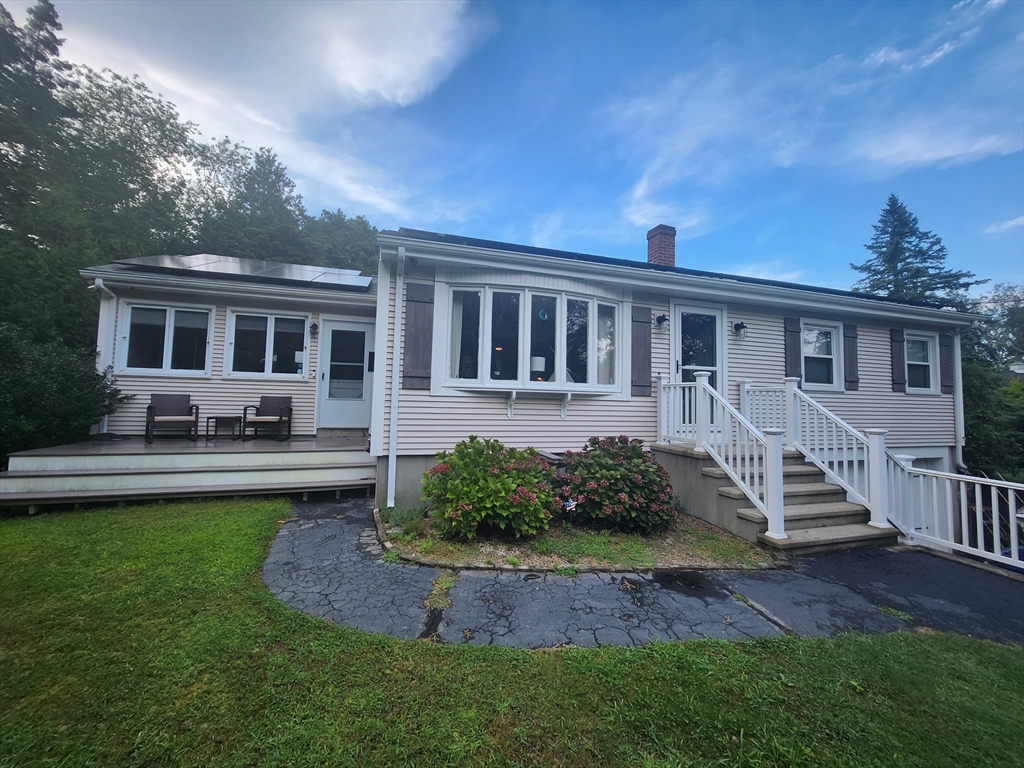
699 494
408 477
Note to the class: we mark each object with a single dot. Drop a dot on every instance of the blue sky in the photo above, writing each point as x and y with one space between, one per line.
768 134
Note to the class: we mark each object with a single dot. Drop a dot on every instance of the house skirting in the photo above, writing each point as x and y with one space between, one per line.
409 472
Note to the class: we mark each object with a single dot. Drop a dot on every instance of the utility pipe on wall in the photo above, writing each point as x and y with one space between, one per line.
396 368
105 359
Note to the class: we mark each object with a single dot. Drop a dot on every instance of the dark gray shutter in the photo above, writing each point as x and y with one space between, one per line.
850 375
947 374
792 336
419 335
897 347
640 370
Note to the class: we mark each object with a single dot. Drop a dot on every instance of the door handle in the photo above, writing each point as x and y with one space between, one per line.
679 366
369 364
321 375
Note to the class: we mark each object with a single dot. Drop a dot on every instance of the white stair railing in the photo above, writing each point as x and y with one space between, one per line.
951 512
751 458
764 407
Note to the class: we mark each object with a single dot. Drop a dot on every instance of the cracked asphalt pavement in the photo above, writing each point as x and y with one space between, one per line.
327 562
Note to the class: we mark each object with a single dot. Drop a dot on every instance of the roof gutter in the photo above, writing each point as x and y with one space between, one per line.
720 288
396 367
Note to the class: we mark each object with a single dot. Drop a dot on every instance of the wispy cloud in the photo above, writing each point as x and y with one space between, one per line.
1004 226
704 129
267 75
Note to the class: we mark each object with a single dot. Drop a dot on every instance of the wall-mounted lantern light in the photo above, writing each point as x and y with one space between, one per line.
314 330
661 320
740 329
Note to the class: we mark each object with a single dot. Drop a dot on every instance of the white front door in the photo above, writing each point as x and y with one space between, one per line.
697 344
345 378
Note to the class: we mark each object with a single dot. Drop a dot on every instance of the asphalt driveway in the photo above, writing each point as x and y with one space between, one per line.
327 562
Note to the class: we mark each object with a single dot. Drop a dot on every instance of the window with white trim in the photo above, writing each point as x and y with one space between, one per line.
820 349
532 339
167 340
921 357
267 345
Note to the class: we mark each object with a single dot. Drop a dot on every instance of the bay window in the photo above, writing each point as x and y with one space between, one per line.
525 339
167 340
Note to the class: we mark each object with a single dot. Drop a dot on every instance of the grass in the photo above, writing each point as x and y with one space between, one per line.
143 637
574 544
896 613
438 597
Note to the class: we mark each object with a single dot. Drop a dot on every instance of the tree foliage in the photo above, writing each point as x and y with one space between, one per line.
49 394
909 263
95 167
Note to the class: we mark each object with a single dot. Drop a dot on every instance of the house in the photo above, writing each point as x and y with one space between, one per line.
757 394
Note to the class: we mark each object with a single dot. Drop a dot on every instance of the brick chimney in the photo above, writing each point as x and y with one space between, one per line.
661 245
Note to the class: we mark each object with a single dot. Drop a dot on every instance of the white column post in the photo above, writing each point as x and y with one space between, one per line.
703 409
662 411
792 413
773 498
745 400
878 488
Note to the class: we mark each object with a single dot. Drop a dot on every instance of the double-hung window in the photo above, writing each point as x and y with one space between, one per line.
821 344
922 372
267 344
170 340
532 339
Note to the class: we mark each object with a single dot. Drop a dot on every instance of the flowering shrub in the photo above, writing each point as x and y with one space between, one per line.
483 483
614 483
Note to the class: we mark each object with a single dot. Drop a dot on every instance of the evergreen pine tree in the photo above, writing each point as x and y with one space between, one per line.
908 263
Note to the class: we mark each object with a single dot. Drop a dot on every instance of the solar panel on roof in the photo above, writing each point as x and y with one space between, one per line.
253 268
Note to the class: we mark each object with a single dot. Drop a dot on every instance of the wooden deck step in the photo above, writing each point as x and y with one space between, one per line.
194 491
832 538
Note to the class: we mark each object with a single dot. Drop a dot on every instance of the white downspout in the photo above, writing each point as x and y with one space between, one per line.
105 337
958 402
396 368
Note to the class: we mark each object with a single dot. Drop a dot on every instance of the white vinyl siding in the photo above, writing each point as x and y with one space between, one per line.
911 421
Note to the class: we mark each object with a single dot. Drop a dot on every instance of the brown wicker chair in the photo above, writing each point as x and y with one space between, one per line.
273 410
172 412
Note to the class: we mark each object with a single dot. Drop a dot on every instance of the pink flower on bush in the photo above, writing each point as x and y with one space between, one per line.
591 486
637 478
438 469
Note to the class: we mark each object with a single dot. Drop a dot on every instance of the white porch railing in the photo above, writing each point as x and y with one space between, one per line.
832 445
979 516
763 406
695 414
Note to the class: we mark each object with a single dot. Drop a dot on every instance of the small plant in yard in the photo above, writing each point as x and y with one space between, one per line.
438 597
513 560
614 483
482 483
411 521
392 556
570 571
896 613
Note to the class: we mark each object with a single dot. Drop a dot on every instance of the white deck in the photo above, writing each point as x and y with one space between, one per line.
131 468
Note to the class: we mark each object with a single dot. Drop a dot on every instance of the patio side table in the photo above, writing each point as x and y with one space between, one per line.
232 424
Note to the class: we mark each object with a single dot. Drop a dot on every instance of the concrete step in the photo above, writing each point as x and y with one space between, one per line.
791 473
16 485
813 515
808 541
802 493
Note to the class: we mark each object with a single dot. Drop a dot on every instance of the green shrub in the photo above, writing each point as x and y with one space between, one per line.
481 483
616 484
411 521
49 394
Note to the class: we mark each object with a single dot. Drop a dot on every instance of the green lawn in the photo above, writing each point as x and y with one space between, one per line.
143 636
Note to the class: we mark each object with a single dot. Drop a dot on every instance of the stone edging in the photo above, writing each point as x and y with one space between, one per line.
385 542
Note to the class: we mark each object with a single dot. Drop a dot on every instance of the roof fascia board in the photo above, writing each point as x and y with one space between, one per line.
721 289
222 288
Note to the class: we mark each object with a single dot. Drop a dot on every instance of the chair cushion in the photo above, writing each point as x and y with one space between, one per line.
174 419
263 419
